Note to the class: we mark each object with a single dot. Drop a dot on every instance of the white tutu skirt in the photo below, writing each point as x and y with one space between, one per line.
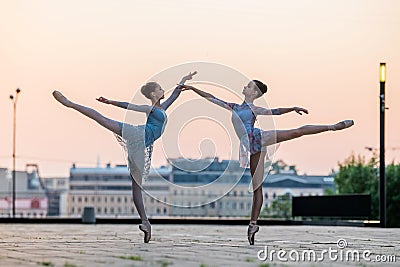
138 156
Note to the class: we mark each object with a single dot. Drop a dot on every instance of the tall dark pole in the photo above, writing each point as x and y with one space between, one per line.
14 145
382 179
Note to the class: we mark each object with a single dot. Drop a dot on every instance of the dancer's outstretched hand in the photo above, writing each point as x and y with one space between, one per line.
300 110
103 100
188 77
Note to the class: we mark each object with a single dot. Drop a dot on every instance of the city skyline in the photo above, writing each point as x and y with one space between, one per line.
323 57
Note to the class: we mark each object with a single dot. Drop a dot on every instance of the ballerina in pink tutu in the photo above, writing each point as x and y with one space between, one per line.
253 141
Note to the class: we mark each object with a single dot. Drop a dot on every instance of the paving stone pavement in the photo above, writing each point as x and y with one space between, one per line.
73 245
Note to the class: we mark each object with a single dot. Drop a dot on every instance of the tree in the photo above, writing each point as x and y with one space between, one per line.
393 195
280 166
356 175
280 207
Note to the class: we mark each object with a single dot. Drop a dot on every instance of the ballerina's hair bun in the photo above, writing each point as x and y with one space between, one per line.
149 88
262 87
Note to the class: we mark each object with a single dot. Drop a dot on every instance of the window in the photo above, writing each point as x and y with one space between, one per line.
234 205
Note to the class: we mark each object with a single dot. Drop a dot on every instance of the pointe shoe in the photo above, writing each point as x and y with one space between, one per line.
61 98
251 232
342 125
146 228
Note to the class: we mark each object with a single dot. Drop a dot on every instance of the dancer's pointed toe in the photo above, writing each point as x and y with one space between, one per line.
343 125
348 123
61 98
251 232
146 228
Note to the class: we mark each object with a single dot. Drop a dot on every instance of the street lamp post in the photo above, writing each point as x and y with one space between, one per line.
382 179
14 99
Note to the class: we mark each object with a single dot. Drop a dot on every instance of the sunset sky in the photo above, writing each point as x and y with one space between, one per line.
320 55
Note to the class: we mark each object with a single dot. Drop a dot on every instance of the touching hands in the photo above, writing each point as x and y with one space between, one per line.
184 87
103 100
300 110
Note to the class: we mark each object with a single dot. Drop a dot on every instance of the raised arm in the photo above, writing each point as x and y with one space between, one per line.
278 111
125 105
209 97
177 91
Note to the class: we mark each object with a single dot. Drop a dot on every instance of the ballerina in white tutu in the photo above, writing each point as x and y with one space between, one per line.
253 141
137 140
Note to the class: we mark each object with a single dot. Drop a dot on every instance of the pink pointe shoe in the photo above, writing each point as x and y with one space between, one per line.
146 228
251 232
342 125
61 98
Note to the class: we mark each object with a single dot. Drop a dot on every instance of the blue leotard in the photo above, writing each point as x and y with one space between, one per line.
155 125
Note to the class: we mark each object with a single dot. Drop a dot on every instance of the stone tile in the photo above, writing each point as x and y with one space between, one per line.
183 245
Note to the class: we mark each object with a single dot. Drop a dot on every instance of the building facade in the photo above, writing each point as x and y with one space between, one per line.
202 188
31 200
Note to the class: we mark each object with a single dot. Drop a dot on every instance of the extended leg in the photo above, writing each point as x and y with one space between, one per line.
273 137
111 125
